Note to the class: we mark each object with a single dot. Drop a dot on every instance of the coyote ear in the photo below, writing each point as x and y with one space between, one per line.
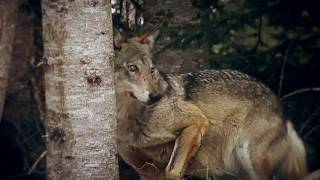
149 38
118 40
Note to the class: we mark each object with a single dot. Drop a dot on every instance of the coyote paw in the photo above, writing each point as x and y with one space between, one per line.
171 175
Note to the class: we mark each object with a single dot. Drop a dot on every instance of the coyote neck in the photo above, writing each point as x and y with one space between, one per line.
128 112
132 114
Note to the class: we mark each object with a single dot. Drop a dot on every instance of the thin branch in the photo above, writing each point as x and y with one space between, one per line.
24 151
285 59
148 164
44 153
37 94
299 92
311 117
273 3
313 176
311 131
259 34
20 176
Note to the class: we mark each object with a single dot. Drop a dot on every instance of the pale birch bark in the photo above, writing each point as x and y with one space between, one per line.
8 16
80 97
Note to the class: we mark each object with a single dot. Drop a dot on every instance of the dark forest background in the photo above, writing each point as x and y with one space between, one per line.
276 41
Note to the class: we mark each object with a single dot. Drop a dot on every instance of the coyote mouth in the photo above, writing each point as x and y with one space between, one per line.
152 99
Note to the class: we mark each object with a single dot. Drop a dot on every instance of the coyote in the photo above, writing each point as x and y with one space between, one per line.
202 124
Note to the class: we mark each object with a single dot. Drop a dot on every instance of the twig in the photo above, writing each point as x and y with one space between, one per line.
313 176
299 92
259 34
285 59
24 151
25 140
311 131
37 162
37 95
150 164
273 3
314 114
21 176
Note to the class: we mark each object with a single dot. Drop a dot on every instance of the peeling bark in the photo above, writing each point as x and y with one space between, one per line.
80 98
8 16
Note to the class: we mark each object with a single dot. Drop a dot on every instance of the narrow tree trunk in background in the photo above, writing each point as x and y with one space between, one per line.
80 99
8 16
22 109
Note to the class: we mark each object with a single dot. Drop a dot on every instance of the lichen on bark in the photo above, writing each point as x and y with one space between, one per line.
80 118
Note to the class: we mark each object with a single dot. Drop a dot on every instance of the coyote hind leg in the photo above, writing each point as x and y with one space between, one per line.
251 167
185 148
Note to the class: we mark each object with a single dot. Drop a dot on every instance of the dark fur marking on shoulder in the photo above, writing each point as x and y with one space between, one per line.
228 82
191 82
166 79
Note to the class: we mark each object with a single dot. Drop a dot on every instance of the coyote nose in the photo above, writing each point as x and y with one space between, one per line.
154 98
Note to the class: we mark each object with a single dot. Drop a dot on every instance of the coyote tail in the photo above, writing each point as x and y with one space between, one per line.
294 166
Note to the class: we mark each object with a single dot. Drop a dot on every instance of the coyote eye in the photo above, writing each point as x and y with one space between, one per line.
133 68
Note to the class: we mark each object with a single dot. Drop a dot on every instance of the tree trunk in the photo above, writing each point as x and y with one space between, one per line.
80 97
8 16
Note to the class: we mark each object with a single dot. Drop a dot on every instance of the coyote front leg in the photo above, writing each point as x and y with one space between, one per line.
185 148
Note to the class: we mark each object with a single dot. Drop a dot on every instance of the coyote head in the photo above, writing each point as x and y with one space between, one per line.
136 75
